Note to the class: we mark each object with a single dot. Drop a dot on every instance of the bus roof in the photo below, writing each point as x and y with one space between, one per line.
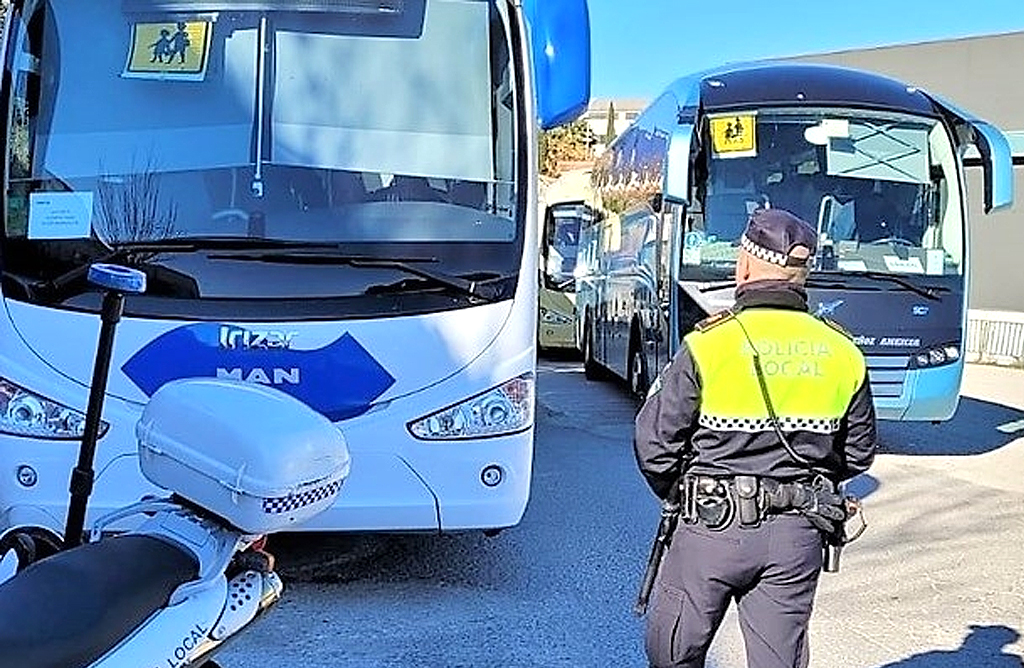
768 83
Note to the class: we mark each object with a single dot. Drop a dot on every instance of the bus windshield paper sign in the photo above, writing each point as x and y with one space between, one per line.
65 215
175 50
910 265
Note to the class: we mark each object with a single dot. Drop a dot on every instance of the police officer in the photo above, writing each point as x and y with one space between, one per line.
762 412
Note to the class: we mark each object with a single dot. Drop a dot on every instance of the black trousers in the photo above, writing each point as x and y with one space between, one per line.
770 571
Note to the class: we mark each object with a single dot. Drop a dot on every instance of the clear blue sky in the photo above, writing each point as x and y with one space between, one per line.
640 46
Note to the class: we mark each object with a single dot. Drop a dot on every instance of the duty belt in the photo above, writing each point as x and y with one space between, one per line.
716 501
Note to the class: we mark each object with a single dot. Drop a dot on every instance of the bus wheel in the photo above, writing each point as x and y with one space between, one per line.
638 380
591 370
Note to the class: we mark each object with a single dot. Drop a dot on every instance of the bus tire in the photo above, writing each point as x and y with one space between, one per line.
639 380
591 369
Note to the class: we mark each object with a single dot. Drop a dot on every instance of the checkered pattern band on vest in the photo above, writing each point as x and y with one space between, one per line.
763 253
285 504
757 425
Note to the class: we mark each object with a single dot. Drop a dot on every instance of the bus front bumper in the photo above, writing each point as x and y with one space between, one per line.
929 395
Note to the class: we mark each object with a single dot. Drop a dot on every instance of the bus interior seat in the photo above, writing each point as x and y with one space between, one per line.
284 188
467 193
726 215
731 198
407 189
346 187
885 213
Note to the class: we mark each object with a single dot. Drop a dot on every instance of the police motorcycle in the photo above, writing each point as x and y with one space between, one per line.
239 461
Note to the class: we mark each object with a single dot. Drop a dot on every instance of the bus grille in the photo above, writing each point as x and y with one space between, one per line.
887 374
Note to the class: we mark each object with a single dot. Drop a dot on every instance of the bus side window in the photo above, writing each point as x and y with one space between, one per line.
25 117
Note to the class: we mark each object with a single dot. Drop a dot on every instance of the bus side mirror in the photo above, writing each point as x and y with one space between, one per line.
998 166
560 38
994 148
676 170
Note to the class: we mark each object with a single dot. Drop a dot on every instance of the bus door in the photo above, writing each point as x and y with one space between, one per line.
662 345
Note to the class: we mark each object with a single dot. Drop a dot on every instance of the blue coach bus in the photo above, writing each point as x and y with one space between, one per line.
875 164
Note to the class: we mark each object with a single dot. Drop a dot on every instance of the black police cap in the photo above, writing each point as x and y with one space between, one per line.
774 235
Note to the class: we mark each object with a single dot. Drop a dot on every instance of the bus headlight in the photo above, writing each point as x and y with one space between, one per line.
505 409
25 413
553 317
935 356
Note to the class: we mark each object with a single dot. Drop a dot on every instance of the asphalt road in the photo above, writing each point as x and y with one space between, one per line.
934 583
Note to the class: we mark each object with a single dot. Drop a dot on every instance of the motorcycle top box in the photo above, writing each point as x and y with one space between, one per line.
256 457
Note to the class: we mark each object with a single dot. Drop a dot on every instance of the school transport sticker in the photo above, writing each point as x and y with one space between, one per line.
734 136
176 50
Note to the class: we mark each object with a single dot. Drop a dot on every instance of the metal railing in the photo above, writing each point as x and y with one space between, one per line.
995 337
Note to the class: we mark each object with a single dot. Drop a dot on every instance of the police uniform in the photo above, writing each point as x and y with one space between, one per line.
708 426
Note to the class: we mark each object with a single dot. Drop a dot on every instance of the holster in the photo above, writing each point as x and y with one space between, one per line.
716 502
713 503
832 550
834 543
749 509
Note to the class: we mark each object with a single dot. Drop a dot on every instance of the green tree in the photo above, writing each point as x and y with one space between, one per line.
568 143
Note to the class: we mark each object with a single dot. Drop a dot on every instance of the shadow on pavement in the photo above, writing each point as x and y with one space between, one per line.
470 558
971 431
982 648
559 355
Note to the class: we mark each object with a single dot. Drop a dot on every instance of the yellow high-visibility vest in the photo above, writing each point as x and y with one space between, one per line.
811 369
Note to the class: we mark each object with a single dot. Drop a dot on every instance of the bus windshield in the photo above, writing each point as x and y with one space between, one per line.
356 127
561 234
881 190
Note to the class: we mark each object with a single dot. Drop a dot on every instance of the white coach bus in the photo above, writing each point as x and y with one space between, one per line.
334 197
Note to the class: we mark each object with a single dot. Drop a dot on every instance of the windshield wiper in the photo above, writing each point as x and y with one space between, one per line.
480 288
926 291
815 282
717 285
488 282
53 289
810 282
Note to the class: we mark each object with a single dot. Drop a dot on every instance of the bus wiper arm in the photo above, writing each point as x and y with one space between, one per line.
926 291
480 289
493 283
55 288
825 285
811 283
717 285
